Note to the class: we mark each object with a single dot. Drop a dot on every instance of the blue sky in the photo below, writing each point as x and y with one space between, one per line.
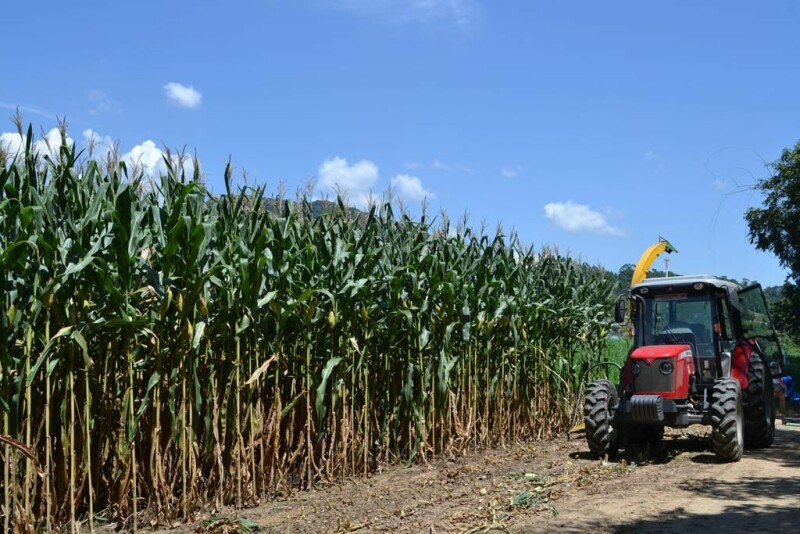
593 127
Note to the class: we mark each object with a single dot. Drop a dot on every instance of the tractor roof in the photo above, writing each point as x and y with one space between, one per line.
686 281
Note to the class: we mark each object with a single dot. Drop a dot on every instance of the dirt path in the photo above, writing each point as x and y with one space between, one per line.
555 487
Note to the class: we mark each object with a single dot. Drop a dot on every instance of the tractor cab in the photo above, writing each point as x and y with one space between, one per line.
706 315
690 317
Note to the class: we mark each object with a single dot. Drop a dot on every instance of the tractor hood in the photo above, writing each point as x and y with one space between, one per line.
654 352
663 370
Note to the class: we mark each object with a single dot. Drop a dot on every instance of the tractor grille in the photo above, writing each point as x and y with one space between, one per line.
654 378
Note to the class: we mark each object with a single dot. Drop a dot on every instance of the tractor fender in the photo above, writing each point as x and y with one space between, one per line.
740 363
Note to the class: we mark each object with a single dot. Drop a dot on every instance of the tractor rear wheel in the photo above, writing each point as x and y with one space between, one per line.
727 419
602 435
759 425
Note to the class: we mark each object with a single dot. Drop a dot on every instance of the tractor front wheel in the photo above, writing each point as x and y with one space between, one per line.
759 425
602 435
727 419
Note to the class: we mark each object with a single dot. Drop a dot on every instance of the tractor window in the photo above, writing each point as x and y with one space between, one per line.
756 322
755 317
726 332
679 318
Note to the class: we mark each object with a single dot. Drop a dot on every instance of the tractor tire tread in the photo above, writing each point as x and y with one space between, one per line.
726 403
601 399
759 422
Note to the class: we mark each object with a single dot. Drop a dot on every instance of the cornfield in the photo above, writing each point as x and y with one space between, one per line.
165 349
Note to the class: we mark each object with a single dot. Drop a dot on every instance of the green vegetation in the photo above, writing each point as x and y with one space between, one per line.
791 349
164 347
616 350
773 228
625 273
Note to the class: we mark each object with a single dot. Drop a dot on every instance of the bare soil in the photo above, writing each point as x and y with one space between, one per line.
555 486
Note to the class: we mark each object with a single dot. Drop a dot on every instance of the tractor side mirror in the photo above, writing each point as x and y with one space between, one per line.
619 310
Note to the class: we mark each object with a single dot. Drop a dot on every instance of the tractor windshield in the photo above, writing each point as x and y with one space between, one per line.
678 318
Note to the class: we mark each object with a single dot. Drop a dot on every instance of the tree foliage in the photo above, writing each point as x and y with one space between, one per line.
786 310
774 226
625 273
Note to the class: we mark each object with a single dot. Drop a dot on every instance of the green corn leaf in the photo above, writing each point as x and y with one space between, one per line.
199 330
289 407
243 324
81 341
424 337
321 388
65 331
266 299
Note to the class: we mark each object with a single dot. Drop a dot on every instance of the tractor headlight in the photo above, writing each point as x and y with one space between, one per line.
636 368
666 368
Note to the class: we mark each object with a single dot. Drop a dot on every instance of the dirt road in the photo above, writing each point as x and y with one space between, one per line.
554 486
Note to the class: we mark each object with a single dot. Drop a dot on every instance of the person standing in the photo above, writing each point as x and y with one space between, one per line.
778 387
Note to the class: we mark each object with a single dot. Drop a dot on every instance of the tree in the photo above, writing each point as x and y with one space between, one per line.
625 273
774 226
786 310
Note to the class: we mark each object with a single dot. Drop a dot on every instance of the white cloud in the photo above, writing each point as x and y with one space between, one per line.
463 14
27 109
410 188
578 218
51 143
355 181
101 144
359 182
437 165
187 97
13 144
89 133
148 158
510 171
101 103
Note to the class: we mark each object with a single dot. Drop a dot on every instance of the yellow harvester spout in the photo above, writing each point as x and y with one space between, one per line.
647 259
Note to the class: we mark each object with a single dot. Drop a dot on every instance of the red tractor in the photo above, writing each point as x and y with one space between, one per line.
701 353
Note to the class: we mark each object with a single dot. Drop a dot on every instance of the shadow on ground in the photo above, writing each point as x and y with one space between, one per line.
786 450
658 453
735 518
754 503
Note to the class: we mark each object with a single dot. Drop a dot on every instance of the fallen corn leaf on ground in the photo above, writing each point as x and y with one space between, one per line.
554 486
